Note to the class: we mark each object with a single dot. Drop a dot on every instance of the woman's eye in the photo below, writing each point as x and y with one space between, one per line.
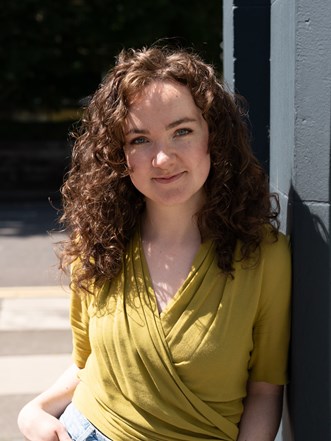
182 132
140 140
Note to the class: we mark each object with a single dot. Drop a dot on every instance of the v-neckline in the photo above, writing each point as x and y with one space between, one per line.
199 256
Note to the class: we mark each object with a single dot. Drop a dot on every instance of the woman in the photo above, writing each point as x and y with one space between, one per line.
180 278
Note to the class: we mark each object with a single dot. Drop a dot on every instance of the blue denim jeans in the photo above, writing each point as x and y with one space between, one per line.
78 427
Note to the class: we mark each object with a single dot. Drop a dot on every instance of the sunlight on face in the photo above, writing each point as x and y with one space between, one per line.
166 145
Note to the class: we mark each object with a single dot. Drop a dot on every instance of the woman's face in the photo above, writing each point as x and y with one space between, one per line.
166 145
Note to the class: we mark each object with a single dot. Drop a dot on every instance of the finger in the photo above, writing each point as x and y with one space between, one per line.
63 435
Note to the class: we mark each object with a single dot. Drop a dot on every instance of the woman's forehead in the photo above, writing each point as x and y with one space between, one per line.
160 92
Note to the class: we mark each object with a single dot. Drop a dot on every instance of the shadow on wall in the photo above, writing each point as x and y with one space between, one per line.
309 389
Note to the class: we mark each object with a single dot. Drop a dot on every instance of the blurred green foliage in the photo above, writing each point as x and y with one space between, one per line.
53 52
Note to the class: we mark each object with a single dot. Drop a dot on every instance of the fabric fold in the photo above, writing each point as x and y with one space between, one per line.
181 374
158 329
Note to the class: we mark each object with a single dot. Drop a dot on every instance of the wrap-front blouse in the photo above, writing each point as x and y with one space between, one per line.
181 374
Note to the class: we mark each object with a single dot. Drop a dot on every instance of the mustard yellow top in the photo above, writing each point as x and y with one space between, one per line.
181 374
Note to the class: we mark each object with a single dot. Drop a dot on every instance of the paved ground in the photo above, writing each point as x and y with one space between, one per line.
35 340
28 235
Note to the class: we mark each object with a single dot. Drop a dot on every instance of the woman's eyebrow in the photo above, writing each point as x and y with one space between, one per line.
137 131
180 121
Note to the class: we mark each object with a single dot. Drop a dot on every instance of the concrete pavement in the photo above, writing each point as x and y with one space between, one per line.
35 347
28 236
35 338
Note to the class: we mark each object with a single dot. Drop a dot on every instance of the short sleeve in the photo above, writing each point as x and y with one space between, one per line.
271 333
79 319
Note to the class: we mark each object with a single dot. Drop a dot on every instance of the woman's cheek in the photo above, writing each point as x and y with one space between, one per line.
129 157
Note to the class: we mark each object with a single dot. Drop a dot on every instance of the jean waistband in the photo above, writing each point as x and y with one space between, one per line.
80 428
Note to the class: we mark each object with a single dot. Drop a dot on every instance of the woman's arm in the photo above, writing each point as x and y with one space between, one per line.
38 420
262 412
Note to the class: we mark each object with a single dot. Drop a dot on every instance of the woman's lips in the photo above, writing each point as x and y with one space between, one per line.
168 179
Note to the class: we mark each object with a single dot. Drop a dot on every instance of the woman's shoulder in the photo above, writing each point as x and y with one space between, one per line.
274 246
275 243
275 254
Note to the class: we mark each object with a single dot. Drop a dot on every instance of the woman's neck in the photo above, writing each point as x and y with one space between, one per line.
170 225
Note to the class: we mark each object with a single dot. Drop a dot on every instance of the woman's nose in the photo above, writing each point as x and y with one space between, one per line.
163 156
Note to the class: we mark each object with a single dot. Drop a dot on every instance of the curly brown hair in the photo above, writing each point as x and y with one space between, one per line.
101 207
